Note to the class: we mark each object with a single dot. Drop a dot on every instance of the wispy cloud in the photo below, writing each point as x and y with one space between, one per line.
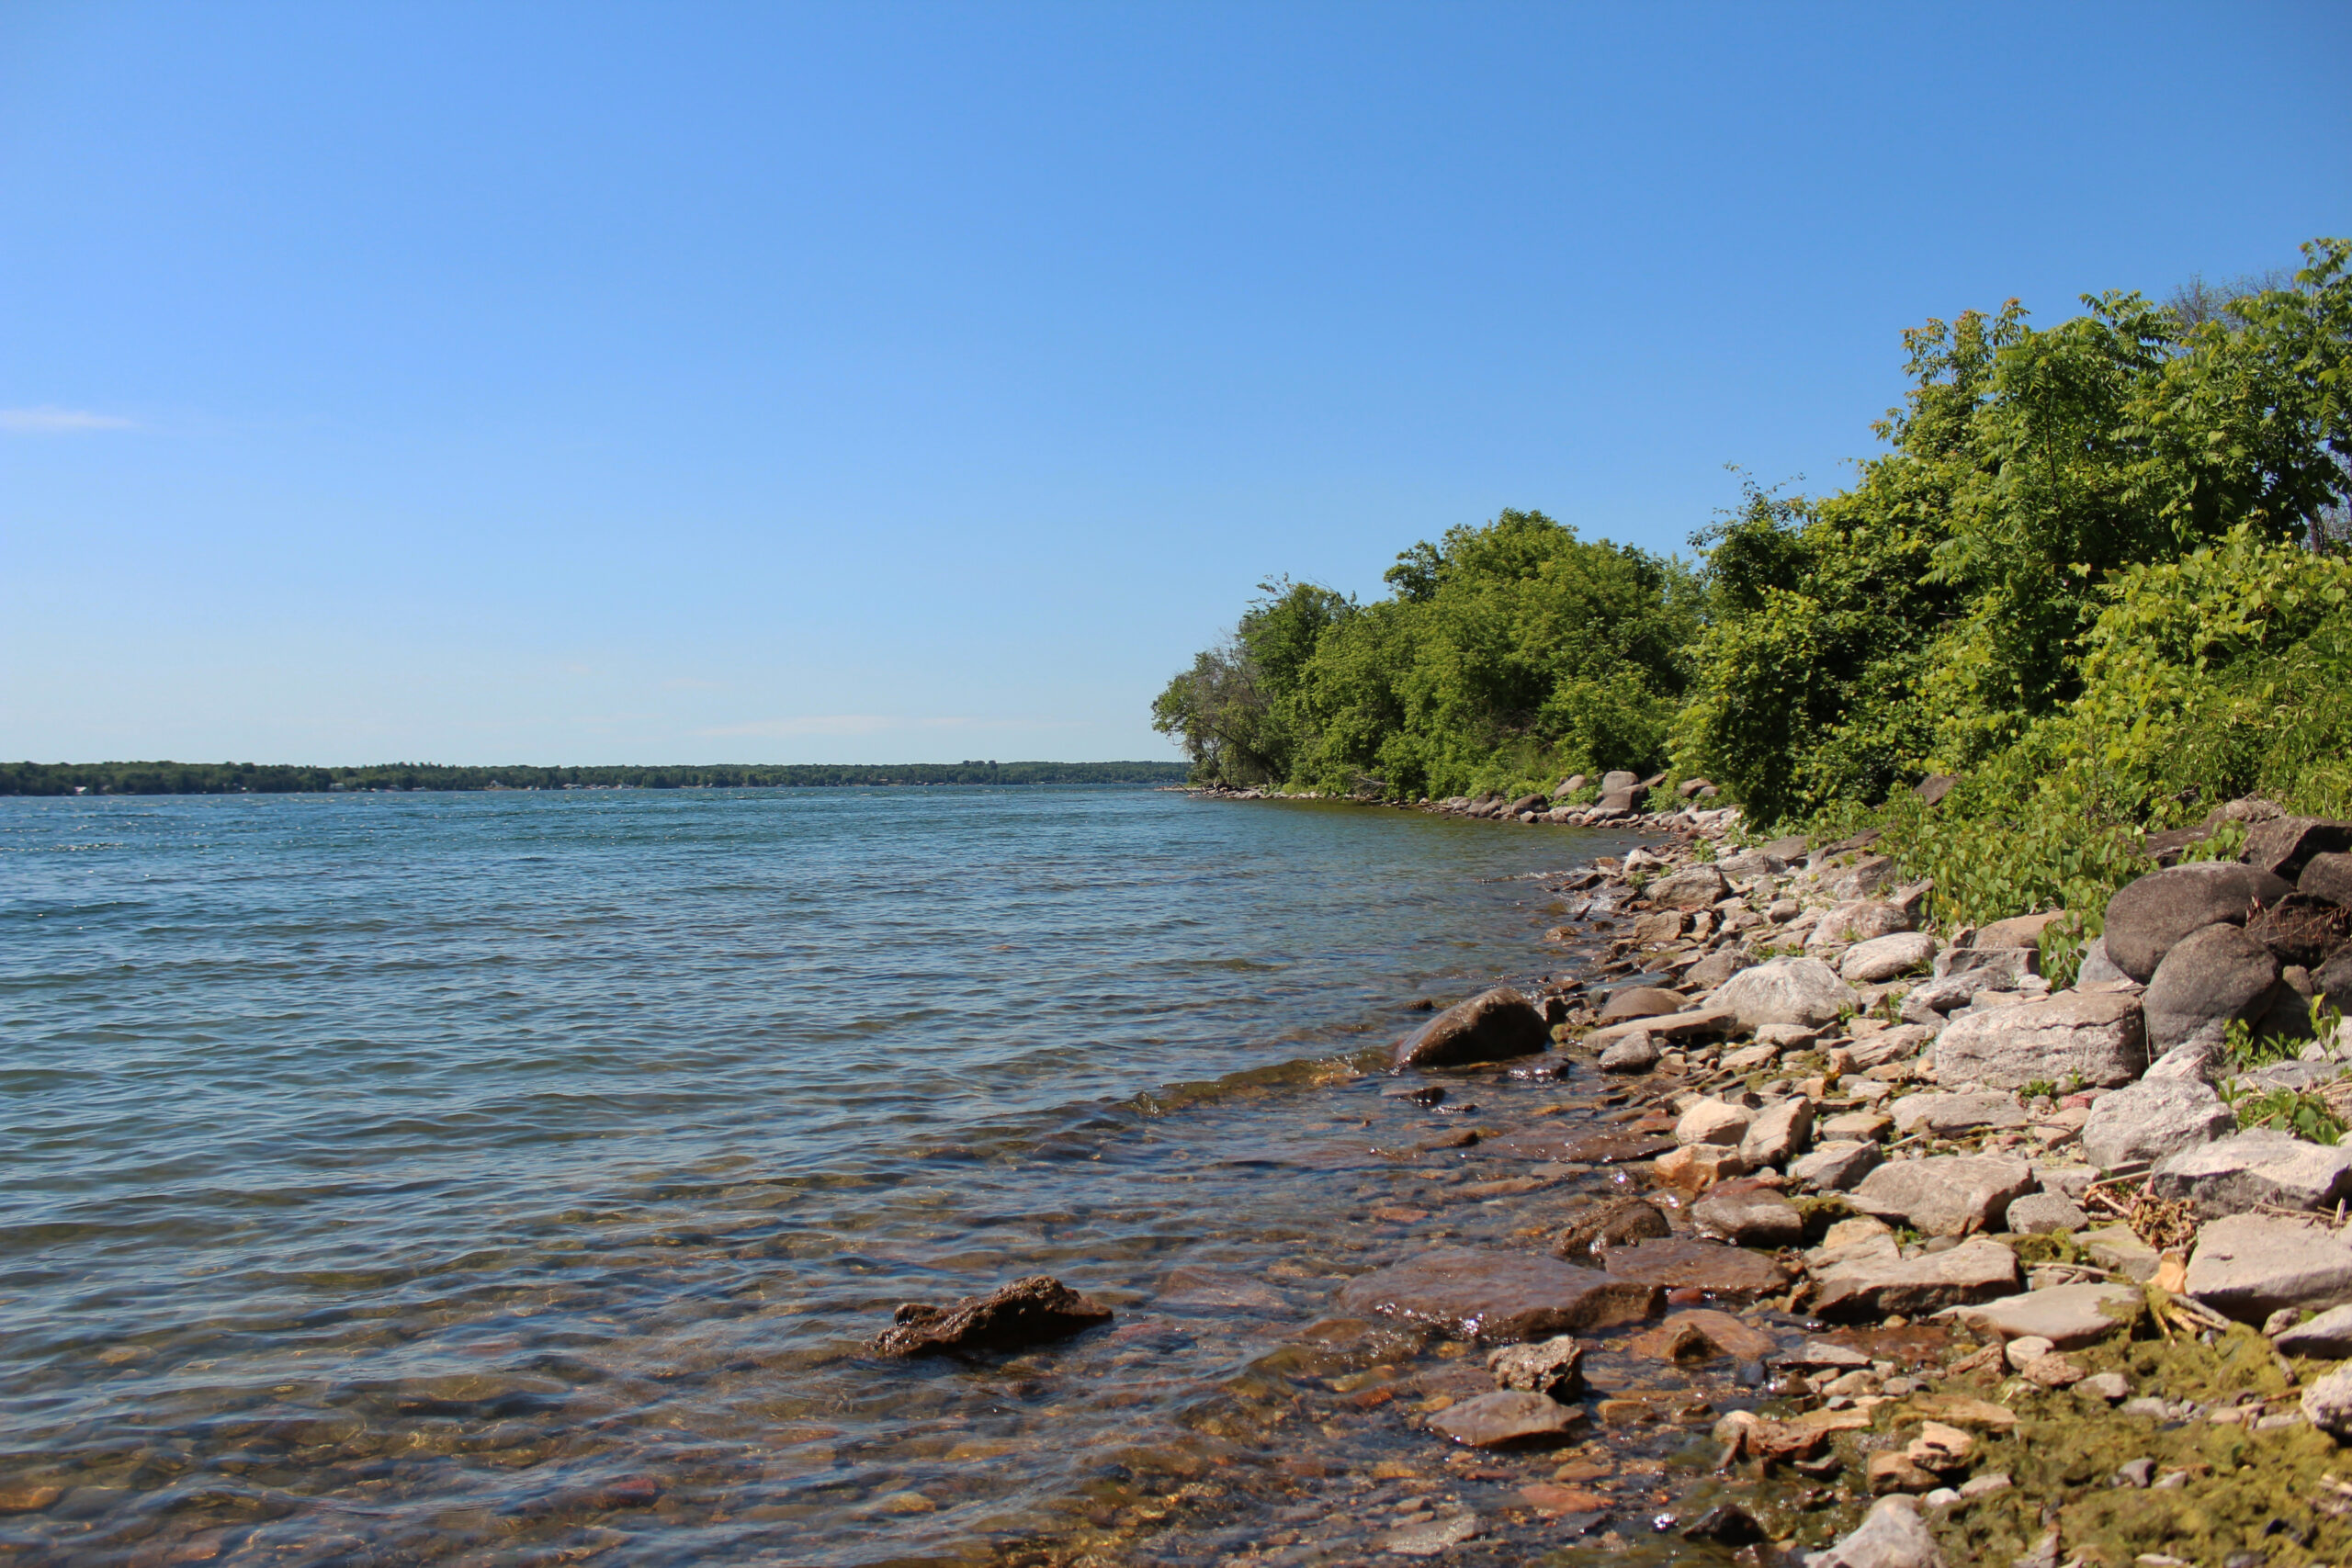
47 421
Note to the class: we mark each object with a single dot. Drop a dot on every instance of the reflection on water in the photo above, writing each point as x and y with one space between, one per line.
515 1177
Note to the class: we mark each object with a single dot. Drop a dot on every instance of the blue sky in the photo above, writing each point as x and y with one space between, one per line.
676 383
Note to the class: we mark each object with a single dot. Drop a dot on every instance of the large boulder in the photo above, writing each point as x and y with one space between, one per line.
2207 980
1873 1282
2284 845
1479 1293
2147 917
1787 991
2249 1266
1618 778
1028 1312
2152 1119
2256 1167
1952 1195
1490 1027
1693 887
2094 1034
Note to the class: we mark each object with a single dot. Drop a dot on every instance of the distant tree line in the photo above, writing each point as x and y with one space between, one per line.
278 778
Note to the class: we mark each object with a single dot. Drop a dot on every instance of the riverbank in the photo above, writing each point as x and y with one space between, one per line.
1934 1252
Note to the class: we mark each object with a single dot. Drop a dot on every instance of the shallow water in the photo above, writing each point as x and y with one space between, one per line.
515 1177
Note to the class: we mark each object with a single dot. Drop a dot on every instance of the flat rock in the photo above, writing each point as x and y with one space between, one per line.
1717 967
2328 1335
1786 991
1606 1225
2018 930
2249 1266
1693 888
1694 1168
1508 1418
1641 1002
1606 1145
1483 1292
1666 1026
1884 958
2207 980
2068 1317
1490 1027
2152 1118
1950 1195
1430 1538
1946 1115
1682 1263
1553 1368
1873 1285
2096 1035
2258 1167
1835 1166
1859 920
1749 1213
1778 1132
2147 917
2046 1213
1029 1311
1857 1125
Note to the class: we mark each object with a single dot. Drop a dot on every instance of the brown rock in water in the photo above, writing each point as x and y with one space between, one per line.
1553 1368
1609 1224
1481 1293
1027 1311
1490 1027
1680 1263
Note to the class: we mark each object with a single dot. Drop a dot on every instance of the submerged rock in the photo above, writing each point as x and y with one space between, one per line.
1609 1224
1507 1418
1491 1027
1482 1293
1029 1311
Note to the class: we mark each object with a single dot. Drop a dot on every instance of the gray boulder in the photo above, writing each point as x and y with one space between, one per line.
1891 1535
2008 966
1928 1001
2147 917
2284 845
1787 991
1635 1053
1884 958
1693 887
2255 1167
2208 979
1717 967
1751 862
1553 1368
1950 1196
1618 778
1490 1027
2249 1266
1863 879
2152 1118
1871 1284
2327 878
2096 1034
1949 1114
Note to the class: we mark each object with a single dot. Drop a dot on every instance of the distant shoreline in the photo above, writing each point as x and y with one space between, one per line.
279 778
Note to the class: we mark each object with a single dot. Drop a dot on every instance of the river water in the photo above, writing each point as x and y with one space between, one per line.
515 1177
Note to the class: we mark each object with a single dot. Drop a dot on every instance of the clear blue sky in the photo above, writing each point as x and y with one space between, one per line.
699 383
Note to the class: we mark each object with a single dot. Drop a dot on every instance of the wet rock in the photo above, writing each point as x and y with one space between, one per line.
1607 1225
2209 979
2328 1335
1884 958
1952 1195
1787 991
1694 888
1418 1093
1641 1002
2255 1167
1891 1535
1869 1287
1508 1418
1680 1263
1701 1334
1777 1133
2146 918
1726 1524
2046 1213
2067 1316
1029 1311
2285 845
1482 1293
1836 1167
2152 1118
2096 1034
1553 1368
2327 1403
1749 1213
1491 1027
1947 1115
1712 1121
2249 1266
1635 1053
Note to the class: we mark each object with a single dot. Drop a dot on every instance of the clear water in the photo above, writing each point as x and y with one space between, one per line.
516 1178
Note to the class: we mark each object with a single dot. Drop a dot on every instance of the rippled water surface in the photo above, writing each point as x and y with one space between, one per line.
515 1177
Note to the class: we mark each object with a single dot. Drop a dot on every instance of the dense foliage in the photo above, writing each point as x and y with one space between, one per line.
248 778
2096 569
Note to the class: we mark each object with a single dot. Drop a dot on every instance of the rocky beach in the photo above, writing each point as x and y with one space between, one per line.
1776 1225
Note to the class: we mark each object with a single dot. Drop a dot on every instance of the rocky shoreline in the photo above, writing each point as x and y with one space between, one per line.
1985 1266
